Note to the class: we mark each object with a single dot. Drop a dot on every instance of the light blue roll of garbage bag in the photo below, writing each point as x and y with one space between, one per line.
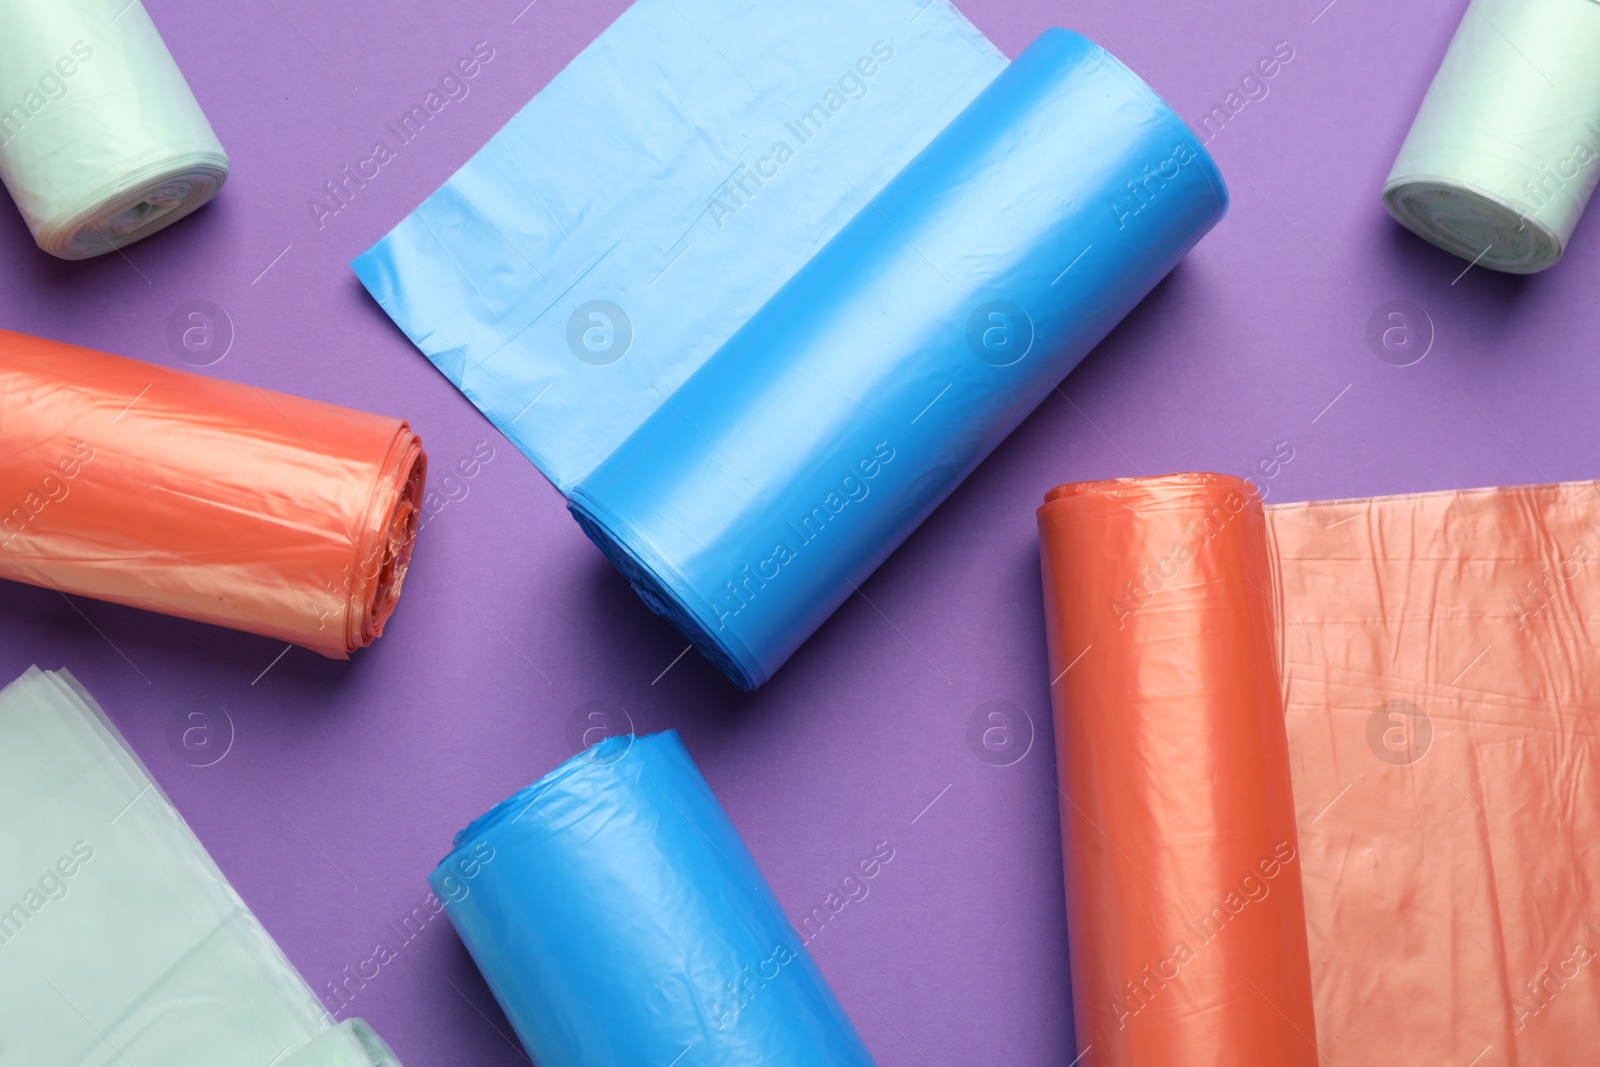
620 921
822 433
757 284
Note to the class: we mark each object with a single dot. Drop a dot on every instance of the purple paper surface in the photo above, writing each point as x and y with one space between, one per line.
337 786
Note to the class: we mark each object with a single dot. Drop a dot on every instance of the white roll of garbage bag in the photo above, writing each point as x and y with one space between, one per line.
101 140
1505 150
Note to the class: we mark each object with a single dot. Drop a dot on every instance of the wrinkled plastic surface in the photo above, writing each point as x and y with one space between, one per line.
1505 150
101 140
203 498
748 416
351 1043
682 168
620 920
121 944
823 433
1415 678
1175 776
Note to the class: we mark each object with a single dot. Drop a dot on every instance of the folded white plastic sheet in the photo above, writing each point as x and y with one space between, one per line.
655 195
101 140
121 944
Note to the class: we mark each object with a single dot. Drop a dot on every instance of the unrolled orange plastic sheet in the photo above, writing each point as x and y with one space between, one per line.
203 498
1330 772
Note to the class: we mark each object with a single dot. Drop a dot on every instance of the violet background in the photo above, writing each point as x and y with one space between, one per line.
345 781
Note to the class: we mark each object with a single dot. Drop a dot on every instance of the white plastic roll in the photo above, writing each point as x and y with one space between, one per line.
101 140
1505 150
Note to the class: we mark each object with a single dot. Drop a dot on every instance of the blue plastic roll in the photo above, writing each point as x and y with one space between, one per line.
620 921
792 463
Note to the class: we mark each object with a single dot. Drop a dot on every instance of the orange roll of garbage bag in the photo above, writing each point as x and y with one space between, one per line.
1417 679
1184 906
202 498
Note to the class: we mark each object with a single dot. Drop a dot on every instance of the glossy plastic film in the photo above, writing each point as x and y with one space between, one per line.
646 203
203 498
1327 771
121 944
1174 776
620 920
101 140
1505 150
846 387
823 432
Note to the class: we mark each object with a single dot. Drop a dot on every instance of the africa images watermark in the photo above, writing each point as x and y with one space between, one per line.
595 721
339 600
51 87
740 190
52 885
1538 594
1545 986
1140 193
1138 993
52 488
599 333
1253 88
456 885
738 994
384 557
852 887
1400 332
1163 570
452 87
453 487
200 734
1554 180
199 332
1000 733
1158 573
853 487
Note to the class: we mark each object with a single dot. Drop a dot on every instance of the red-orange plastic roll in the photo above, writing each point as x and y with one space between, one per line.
1330 772
203 498
1185 913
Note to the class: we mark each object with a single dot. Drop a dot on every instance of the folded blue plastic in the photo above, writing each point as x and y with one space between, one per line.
646 203
620 921
756 358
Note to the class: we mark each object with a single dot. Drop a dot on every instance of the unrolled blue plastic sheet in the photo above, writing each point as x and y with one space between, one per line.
620 921
646 203
831 359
